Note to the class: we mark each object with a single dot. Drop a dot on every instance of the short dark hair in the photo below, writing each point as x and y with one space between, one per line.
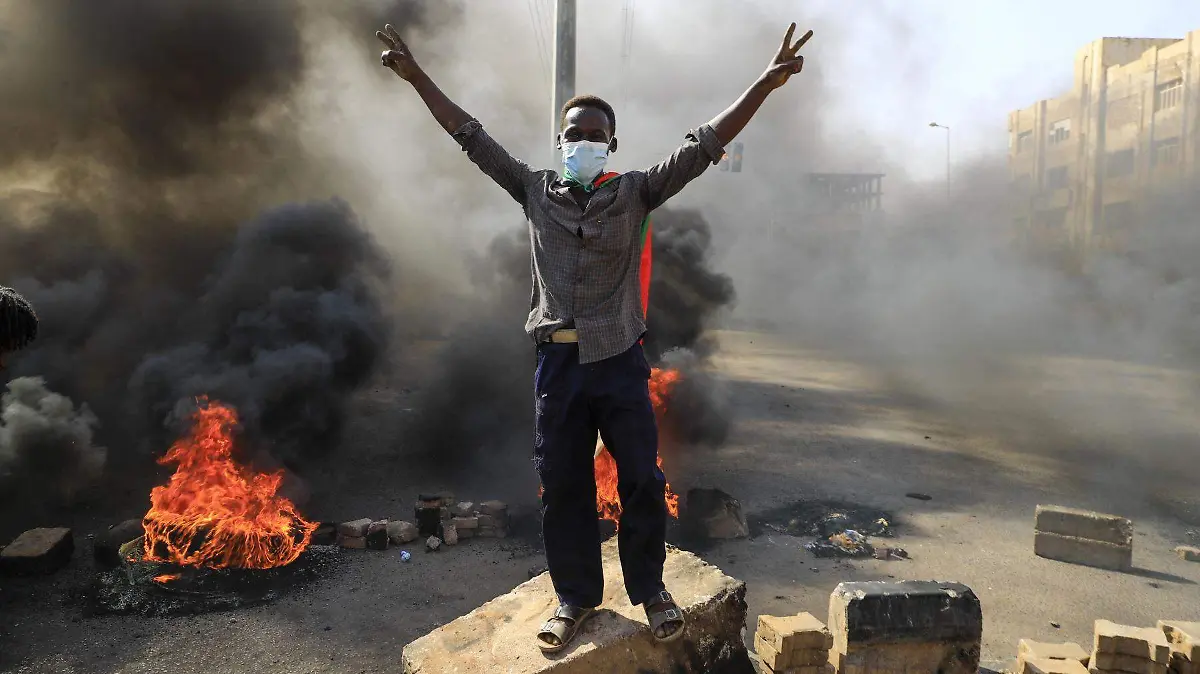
590 101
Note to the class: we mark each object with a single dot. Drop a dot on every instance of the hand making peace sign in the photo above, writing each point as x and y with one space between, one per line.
398 57
788 61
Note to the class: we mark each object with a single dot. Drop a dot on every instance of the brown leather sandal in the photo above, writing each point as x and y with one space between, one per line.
672 614
557 632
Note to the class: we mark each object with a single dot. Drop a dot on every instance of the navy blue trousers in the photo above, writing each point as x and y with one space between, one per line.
573 402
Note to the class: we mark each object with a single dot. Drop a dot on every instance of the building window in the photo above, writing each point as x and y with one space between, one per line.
1168 95
1118 164
1057 178
1166 152
1024 141
1060 131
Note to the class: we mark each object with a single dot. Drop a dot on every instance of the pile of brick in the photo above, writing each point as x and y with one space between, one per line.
1035 657
1137 650
1083 537
796 644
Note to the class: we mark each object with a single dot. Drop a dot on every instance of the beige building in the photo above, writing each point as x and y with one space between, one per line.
1085 164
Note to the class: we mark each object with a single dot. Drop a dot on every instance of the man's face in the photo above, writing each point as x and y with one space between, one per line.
590 124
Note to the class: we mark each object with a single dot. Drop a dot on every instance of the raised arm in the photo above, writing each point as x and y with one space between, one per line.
787 62
508 172
705 146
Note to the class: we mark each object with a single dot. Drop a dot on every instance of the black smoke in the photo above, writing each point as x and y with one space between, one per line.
165 217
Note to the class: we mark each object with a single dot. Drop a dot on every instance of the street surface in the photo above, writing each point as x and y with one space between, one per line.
807 425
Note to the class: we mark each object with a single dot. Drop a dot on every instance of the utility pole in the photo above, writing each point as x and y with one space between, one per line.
564 62
935 125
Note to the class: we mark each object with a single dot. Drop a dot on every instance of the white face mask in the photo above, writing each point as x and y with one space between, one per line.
583 160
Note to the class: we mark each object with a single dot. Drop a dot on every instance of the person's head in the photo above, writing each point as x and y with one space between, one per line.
588 118
18 322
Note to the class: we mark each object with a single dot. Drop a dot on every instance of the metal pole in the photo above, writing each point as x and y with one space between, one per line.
564 62
947 164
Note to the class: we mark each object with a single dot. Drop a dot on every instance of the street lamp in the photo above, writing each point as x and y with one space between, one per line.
935 125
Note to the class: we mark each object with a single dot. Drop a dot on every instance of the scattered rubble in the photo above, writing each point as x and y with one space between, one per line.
1188 553
714 515
440 518
886 554
797 643
915 626
37 551
1083 537
106 547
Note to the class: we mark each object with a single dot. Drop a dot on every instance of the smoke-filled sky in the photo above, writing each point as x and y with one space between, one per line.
156 156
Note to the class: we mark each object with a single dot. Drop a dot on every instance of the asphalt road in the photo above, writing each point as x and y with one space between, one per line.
807 426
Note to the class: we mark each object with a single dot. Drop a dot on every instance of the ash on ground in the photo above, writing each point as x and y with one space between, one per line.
841 528
132 589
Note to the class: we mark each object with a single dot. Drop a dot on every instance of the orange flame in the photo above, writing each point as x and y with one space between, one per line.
167 577
608 501
216 513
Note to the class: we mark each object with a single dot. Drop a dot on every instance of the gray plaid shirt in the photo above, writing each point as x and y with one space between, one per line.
586 260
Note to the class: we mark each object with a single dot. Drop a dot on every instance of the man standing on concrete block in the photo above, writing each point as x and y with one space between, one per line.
588 230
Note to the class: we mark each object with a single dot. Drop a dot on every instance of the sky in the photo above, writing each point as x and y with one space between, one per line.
897 65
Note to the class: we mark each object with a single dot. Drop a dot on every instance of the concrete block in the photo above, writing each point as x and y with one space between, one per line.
1083 551
1184 638
1051 666
906 626
1188 553
789 660
428 518
401 532
464 509
500 635
1083 524
38 551
355 529
1148 643
462 523
1036 650
449 534
377 535
1133 664
352 542
791 633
